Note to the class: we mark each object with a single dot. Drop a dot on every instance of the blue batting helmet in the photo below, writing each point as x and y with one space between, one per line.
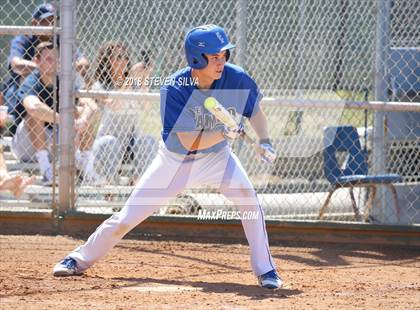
43 11
206 39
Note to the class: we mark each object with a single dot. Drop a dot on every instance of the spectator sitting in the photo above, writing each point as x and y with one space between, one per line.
119 133
35 113
22 51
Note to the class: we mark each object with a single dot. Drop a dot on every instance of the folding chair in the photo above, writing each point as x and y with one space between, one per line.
355 170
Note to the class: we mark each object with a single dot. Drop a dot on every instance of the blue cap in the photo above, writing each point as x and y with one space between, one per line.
43 11
205 39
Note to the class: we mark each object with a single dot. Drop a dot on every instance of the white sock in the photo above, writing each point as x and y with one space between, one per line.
85 157
81 159
43 160
89 164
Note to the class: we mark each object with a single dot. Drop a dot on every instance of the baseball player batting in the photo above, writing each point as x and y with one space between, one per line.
194 151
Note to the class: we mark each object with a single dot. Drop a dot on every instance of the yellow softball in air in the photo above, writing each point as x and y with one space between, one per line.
210 103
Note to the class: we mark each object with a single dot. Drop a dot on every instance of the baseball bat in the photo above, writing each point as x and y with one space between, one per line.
223 115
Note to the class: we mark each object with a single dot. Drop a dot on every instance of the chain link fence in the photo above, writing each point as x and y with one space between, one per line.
29 93
321 61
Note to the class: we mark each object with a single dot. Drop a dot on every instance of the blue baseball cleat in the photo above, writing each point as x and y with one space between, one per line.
270 280
67 267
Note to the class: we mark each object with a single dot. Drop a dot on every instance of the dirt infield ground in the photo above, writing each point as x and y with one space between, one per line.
167 274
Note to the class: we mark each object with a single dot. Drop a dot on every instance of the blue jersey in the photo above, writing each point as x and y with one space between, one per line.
182 104
33 86
23 46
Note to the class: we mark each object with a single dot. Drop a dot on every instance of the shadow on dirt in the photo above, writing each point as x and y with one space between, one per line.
253 292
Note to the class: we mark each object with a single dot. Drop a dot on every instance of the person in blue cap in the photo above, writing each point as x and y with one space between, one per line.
194 152
22 51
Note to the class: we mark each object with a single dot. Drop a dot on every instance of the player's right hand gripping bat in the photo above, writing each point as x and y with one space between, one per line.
223 115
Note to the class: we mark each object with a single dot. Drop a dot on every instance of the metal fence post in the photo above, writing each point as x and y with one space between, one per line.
301 51
66 180
241 32
381 94
241 43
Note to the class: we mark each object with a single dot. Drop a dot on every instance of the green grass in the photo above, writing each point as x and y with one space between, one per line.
353 116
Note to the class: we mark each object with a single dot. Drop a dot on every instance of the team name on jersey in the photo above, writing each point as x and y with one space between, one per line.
207 121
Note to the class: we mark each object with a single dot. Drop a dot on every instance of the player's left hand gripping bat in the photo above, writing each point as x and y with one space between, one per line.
223 115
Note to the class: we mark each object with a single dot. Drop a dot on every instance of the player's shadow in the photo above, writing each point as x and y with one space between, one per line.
190 258
251 291
332 255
